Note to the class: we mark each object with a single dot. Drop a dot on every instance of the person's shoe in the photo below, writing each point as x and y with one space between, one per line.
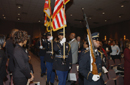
52 83
47 83
43 74
73 84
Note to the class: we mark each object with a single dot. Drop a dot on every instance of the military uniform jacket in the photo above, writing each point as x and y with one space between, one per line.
57 65
42 52
48 56
84 67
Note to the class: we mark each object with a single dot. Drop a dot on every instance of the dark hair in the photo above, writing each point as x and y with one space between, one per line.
86 42
13 31
2 40
20 36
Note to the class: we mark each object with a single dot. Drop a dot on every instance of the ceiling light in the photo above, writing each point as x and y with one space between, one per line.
18 18
4 17
122 5
119 16
82 8
39 21
105 20
18 13
71 15
103 12
19 7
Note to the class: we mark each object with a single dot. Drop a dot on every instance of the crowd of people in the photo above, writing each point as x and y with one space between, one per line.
58 57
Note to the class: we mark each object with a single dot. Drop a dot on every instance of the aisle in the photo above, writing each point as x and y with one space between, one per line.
37 72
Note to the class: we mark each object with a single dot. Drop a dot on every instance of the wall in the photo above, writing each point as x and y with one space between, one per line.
31 28
114 31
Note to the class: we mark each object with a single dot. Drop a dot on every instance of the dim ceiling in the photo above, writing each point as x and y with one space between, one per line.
99 12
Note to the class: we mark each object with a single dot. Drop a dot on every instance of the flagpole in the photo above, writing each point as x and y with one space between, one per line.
64 31
51 27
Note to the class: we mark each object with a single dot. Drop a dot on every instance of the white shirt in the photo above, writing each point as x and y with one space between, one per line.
115 50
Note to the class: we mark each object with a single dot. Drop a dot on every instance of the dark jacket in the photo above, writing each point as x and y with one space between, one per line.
109 48
22 68
3 60
10 51
57 64
84 68
48 57
42 52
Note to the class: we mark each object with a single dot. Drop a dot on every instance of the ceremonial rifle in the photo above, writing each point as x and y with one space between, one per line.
91 46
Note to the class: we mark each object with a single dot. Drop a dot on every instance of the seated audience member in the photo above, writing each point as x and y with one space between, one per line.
3 60
115 51
22 71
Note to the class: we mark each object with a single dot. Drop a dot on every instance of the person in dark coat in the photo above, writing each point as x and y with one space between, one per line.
3 60
85 66
85 48
107 48
49 57
61 65
10 50
22 71
127 64
42 52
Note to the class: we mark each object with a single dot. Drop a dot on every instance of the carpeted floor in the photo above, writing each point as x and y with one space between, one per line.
37 71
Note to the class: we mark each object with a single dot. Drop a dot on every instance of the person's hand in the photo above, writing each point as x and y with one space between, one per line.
95 77
32 77
63 41
41 47
79 51
50 38
70 67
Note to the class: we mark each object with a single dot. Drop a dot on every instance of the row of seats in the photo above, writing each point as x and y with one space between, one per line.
112 79
116 63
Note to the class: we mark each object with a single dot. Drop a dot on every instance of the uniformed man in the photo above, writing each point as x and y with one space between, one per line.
42 52
85 64
61 65
49 60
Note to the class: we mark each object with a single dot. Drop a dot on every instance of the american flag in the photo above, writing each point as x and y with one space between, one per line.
59 17
47 10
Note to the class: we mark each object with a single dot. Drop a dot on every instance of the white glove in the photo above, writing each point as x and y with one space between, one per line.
69 67
50 38
41 47
95 77
62 41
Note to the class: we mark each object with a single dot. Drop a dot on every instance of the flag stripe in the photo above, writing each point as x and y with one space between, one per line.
57 21
60 21
59 18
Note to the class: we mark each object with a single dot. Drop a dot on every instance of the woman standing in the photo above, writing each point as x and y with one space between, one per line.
127 64
22 70
115 51
3 60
